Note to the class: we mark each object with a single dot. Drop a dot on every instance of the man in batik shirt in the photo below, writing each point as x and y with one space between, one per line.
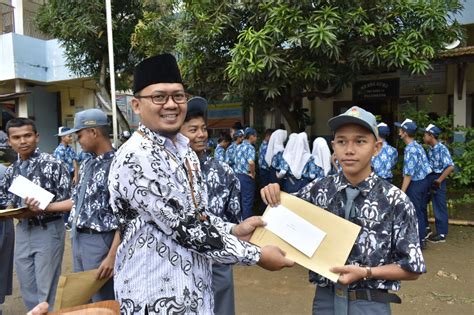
385 161
169 238
66 154
223 191
238 137
387 248
39 241
222 144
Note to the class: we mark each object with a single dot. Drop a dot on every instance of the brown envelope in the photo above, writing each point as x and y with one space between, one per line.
77 288
11 212
333 250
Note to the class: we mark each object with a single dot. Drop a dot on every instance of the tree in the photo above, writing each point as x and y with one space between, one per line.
81 28
277 52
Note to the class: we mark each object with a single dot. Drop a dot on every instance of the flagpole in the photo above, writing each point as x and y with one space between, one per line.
108 12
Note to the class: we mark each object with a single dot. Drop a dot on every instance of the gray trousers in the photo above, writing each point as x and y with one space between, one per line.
38 257
88 252
7 240
323 304
223 288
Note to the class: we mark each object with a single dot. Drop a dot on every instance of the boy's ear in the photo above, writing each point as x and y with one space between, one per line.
378 147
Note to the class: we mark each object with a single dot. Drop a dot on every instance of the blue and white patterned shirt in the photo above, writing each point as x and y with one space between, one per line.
439 158
44 170
67 155
385 161
389 233
219 153
310 170
223 189
415 163
261 155
96 212
230 154
164 259
277 161
243 155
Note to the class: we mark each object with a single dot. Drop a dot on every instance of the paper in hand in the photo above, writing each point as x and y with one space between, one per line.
294 230
23 187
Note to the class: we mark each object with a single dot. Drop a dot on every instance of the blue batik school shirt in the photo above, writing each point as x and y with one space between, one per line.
230 154
244 153
42 169
223 189
261 155
95 212
219 153
310 170
385 161
389 227
277 160
66 155
439 158
415 163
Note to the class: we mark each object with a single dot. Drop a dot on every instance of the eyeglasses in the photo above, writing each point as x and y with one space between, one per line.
162 99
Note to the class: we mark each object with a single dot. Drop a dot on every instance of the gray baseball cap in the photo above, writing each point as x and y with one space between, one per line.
355 115
88 118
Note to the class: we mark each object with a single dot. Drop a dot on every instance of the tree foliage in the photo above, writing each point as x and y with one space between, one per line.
273 53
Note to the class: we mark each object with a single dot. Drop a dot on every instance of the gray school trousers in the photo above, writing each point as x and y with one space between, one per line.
88 252
38 257
323 304
223 288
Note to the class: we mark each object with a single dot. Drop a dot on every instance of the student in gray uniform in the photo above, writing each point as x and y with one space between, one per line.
94 233
387 249
7 239
39 240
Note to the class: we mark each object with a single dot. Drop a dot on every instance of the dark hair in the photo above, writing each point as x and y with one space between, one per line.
20 122
224 137
237 125
268 132
194 114
103 130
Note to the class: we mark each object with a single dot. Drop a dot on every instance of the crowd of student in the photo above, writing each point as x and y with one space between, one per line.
167 220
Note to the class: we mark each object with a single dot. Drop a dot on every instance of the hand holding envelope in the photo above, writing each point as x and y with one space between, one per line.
23 187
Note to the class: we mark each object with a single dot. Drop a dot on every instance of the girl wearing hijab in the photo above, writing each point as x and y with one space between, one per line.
322 156
274 154
298 167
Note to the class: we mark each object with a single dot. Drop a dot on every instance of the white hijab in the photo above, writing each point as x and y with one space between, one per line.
322 154
275 144
297 153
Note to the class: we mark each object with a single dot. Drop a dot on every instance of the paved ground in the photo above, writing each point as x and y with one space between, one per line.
447 288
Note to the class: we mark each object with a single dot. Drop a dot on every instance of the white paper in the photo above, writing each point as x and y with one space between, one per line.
23 187
294 230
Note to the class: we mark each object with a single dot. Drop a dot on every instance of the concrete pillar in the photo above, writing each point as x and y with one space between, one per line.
18 14
459 100
20 86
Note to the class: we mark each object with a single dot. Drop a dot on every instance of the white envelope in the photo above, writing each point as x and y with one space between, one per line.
294 230
23 187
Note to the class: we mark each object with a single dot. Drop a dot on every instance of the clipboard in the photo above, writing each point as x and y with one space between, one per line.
333 250
12 212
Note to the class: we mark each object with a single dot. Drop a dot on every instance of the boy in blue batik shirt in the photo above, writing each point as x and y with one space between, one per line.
230 152
244 168
385 161
223 142
416 169
263 167
442 165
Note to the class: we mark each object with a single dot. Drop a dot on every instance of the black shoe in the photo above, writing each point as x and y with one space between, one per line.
438 238
428 232
423 245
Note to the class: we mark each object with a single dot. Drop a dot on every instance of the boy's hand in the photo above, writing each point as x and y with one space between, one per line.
273 258
33 205
245 229
271 194
349 273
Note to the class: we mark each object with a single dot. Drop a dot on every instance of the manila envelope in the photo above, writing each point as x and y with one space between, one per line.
333 250
77 288
11 212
